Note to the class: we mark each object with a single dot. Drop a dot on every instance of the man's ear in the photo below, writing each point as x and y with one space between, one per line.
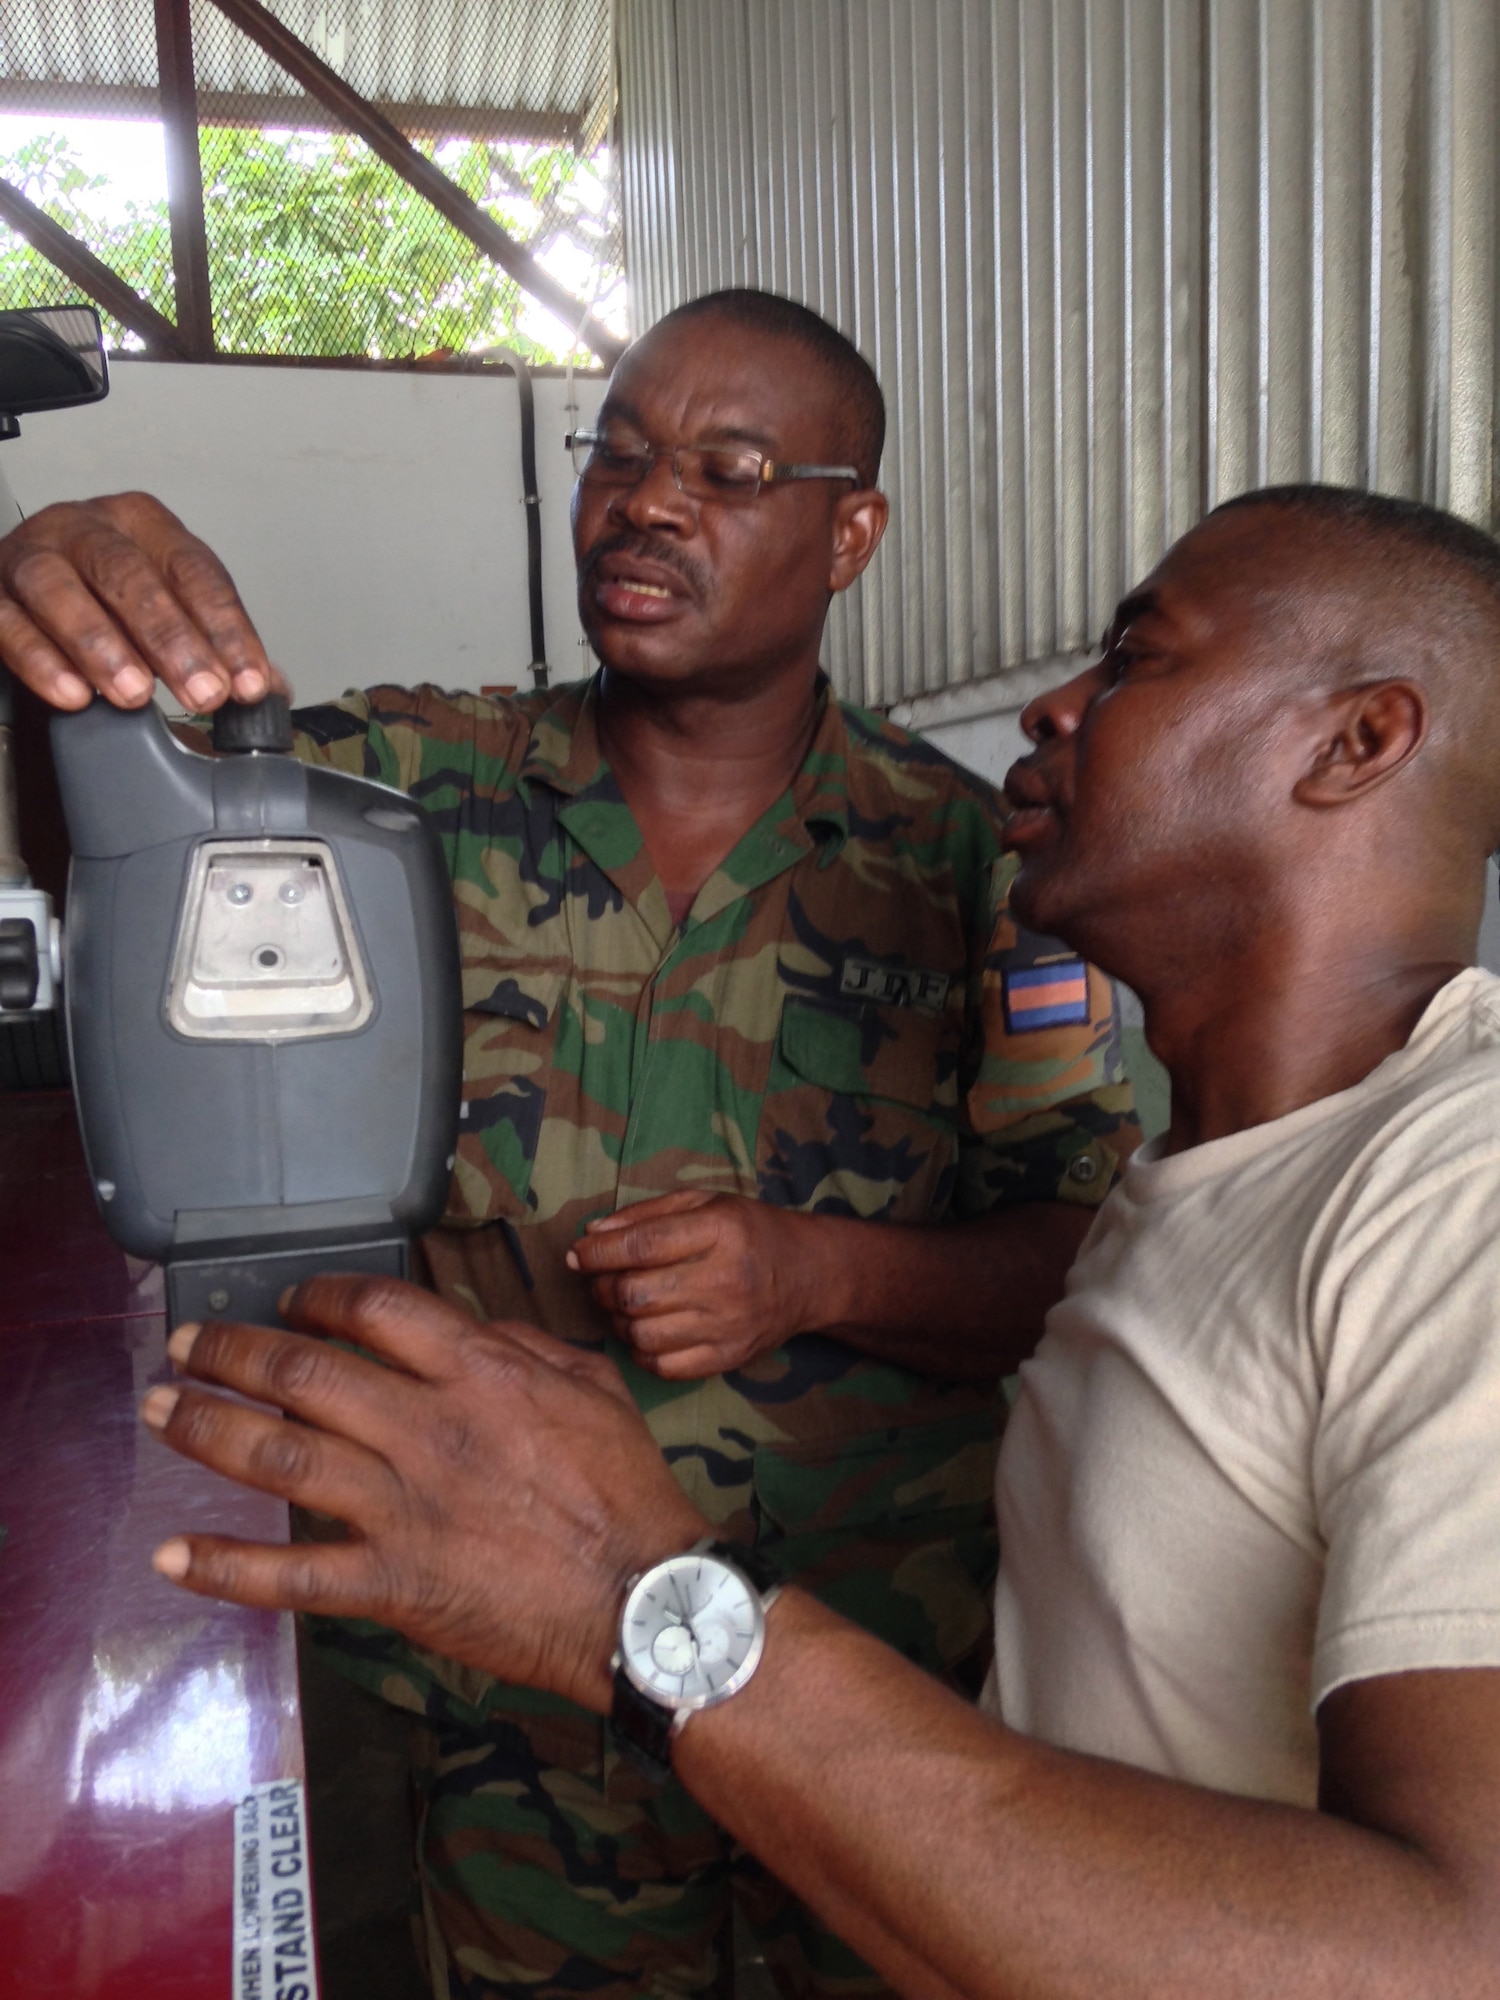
1370 733
858 524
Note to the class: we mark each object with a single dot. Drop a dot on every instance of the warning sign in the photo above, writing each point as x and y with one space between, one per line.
273 1920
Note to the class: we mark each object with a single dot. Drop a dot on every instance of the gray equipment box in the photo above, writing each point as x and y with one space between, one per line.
264 1012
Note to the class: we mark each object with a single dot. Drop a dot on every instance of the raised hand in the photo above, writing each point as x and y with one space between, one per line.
107 596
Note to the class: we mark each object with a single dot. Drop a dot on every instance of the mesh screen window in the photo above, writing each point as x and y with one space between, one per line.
317 248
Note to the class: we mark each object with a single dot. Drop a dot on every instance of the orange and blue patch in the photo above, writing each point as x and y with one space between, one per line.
1046 996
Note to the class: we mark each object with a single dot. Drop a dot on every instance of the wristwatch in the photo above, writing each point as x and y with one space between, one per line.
691 1635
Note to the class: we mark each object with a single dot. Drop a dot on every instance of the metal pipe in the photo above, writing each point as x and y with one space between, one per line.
533 504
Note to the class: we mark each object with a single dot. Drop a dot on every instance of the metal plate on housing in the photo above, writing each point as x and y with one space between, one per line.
265 948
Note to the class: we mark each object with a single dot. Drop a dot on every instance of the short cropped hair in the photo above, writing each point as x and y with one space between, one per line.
1409 526
853 379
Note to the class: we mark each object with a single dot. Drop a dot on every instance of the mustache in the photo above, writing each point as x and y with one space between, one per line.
649 550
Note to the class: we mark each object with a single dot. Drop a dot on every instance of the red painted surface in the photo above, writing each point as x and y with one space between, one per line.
132 1716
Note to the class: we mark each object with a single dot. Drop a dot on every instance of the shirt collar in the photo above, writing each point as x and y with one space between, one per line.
820 790
564 753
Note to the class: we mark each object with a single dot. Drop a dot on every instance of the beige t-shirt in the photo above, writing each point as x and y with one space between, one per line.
1257 1454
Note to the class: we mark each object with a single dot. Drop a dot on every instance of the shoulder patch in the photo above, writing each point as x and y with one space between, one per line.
1046 996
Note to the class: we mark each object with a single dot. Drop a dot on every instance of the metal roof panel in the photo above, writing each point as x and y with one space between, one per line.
518 67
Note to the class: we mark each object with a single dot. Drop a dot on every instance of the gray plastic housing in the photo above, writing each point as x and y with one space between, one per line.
263 1155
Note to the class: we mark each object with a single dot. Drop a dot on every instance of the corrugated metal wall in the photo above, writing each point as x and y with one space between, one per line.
1114 260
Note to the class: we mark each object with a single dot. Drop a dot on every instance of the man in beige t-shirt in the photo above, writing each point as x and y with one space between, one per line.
1280 1347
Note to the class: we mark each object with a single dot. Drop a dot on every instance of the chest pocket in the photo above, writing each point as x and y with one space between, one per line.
510 1031
861 1112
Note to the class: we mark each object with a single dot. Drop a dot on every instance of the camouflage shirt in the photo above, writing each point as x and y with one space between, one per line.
848 1021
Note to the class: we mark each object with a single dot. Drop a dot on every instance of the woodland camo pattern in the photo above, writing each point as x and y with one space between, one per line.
826 1032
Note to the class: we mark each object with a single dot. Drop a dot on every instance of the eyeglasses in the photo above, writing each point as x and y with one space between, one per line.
731 472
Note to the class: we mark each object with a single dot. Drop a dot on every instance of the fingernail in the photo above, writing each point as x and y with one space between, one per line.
132 683
571 1260
172 1559
180 1346
73 687
284 1303
158 1404
204 688
249 681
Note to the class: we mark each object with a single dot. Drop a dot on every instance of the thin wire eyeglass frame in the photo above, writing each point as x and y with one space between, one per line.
692 460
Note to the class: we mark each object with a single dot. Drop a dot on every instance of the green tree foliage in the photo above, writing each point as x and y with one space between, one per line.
137 243
317 248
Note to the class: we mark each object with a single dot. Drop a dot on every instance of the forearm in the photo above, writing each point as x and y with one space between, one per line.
965 1299
962 1860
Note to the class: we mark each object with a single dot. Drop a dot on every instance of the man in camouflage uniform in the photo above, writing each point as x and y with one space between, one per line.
764 1091
838 1020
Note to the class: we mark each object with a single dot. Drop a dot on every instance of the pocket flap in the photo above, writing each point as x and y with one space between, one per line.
908 1057
529 996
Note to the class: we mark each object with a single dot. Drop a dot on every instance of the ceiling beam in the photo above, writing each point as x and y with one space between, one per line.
295 111
445 195
179 113
75 260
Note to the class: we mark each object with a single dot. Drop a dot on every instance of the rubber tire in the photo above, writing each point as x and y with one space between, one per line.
34 1053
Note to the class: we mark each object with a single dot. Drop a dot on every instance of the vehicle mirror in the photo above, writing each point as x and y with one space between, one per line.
50 358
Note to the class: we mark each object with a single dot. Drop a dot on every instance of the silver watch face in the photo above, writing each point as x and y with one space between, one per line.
691 1632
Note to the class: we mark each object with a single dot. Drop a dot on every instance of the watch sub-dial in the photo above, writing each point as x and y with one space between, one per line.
716 1637
673 1650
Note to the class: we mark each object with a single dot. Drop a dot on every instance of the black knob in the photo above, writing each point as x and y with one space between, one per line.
20 972
253 725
